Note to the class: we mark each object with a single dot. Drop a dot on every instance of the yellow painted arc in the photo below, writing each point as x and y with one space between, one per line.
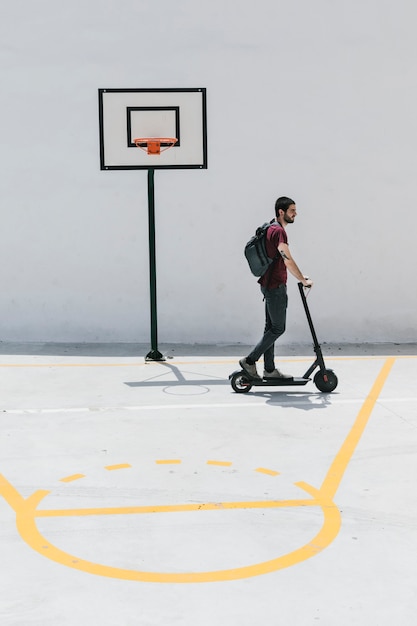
25 521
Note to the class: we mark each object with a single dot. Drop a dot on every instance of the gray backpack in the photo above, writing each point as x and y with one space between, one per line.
255 251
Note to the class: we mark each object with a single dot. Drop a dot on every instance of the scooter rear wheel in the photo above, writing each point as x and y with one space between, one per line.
240 383
326 380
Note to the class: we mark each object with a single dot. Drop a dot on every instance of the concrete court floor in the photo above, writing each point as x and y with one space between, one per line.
150 494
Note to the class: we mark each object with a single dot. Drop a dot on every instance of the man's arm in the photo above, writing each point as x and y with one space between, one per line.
292 266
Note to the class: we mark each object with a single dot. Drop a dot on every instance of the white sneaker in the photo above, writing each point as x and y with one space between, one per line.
276 374
249 369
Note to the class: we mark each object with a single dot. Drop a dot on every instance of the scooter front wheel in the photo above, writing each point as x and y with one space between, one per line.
240 383
326 380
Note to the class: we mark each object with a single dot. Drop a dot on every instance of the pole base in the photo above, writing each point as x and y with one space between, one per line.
155 355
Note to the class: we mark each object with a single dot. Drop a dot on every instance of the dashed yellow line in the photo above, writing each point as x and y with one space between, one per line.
264 470
221 463
168 461
70 479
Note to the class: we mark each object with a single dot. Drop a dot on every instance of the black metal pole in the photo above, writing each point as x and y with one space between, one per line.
154 354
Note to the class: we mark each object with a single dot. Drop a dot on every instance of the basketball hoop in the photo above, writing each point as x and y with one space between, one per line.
152 145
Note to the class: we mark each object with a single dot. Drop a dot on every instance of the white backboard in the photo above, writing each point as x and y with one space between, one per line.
126 114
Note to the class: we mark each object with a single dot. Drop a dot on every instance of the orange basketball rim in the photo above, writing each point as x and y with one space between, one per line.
152 145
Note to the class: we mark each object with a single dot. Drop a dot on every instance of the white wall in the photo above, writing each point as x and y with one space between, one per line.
316 100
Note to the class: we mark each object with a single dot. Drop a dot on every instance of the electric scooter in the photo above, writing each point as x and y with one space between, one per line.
325 379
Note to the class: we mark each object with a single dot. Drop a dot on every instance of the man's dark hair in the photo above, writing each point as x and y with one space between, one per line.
283 203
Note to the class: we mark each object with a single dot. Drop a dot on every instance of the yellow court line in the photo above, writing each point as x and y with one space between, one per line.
168 461
50 365
338 467
221 463
204 362
69 479
176 508
110 468
264 470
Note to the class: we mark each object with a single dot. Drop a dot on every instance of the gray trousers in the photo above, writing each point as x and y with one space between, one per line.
276 301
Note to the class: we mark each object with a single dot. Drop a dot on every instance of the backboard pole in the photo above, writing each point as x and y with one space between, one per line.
154 354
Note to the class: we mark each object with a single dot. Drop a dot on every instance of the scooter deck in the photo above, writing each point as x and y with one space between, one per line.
272 382
278 382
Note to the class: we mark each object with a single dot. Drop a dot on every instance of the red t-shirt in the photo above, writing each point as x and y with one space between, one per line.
276 274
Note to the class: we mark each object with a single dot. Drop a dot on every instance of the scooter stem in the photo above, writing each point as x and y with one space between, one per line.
317 349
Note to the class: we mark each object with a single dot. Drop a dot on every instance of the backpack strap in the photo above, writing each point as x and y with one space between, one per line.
276 257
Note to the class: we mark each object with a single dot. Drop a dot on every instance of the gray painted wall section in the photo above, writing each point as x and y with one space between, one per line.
312 100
